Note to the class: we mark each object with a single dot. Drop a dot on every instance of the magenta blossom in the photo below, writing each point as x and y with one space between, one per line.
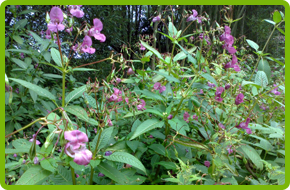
221 125
108 153
157 18
130 71
101 174
239 99
110 122
219 91
244 125
14 155
76 11
118 80
186 117
69 30
229 149
142 48
96 30
86 46
56 18
47 34
227 86
141 106
233 64
229 40
158 86
192 17
195 117
211 85
275 90
22 55
36 160
207 163
201 36
170 117
34 137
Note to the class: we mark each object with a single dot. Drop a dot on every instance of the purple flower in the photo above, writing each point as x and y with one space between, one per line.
218 98
22 55
101 174
150 136
77 175
108 153
86 46
275 90
207 163
219 91
221 125
211 85
96 30
36 65
47 34
170 117
201 91
56 18
239 98
201 36
244 125
34 137
130 71
36 160
195 117
15 155
229 40
186 116
76 11
110 122
16 90
227 86
157 86
229 149
233 64
162 89
24 161
69 30
157 18
118 80
141 106
142 48
192 17
95 129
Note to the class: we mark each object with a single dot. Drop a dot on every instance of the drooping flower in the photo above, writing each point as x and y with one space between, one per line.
76 137
76 11
96 30
142 48
192 17
227 86
207 163
202 36
195 117
201 91
86 46
219 91
186 116
244 125
36 160
211 85
221 125
239 99
118 80
34 137
141 106
157 85
22 55
101 174
157 18
56 18
229 40
15 155
108 153
170 117
69 30
151 136
233 64
130 71
110 122
229 149
77 175
162 89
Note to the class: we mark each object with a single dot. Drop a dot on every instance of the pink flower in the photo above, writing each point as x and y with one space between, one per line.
130 71
192 17
76 11
75 137
34 137
170 117
244 125
275 90
239 99
229 149
56 18
157 18
142 48
83 157
96 30
47 34
157 86
36 160
110 122
207 163
127 100
221 125
22 55
195 117
86 46
141 106
69 30
118 80
186 116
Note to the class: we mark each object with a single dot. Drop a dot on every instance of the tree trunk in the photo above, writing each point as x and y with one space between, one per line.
236 23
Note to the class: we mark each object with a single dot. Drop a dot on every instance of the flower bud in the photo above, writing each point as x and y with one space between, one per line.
108 153
32 151
49 138
130 71
36 160
47 18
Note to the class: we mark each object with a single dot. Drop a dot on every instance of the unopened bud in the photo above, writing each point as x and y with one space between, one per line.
47 18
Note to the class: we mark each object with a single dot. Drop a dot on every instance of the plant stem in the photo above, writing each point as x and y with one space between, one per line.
94 155
73 175
92 174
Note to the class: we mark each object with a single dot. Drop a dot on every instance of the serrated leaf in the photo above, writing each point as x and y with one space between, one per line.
63 177
191 144
159 148
209 78
49 75
75 94
27 11
127 158
20 63
133 114
45 164
172 30
261 79
56 56
252 155
151 95
154 112
133 145
146 126
189 56
253 44
264 66
40 91
16 151
77 111
95 163
20 51
33 95
18 39
76 166
20 24
113 173
91 100
47 56
33 175
36 37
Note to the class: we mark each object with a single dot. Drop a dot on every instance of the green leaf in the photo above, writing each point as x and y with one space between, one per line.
133 114
209 78
95 163
77 111
75 94
146 126
18 39
253 44
20 51
45 164
151 95
154 112
20 24
47 56
133 145
270 21
21 144
76 166
127 158
27 11
105 137
152 50
63 177
189 56
91 100
49 75
36 37
20 63
277 17
264 66
56 56
33 175
159 148
16 151
191 144
118 146
261 79
245 83
172 30
40 91
33 95
167 165
252 155
169 78
112 173
281 31
84 69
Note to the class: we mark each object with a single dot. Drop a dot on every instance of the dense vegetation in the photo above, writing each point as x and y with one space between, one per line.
188 95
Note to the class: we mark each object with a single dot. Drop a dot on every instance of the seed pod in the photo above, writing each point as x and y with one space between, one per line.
49 138
47 18
32 151
61 139
245 160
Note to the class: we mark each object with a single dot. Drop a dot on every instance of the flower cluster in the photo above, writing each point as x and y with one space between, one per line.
194 17
158 86
157 18
186 117
218 94
34 137
239 99
76 147
211 85
275 90
244 125
141 106
76 11
116 96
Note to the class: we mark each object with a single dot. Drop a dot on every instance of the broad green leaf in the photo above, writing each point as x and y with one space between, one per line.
127 81
105 137
133 145
56 56
77 111
63 177
113 173
36 37
146 126
127 158
76 166
27 11
169 78
154 112
40 91
20 63
18 39
167 165
93 122
151 95
84 69
49 75
20 51
281 30
16 151
252 155
191 144
75 94
261 79
95 163
21 144
153 50
33 175
20 24
270 21
47 56
118 146
133 114
159 148
91 100
277 17
45 164
264 66
253 44
209 78
245 83
172 30
189 56
33 95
